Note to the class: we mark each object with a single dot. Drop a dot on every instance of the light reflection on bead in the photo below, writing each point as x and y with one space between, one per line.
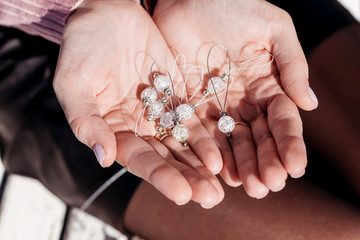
148 95
226 124
162 83
219 84
167 120
156 109
184 111
180 132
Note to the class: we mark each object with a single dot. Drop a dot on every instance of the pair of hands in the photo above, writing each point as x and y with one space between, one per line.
106 52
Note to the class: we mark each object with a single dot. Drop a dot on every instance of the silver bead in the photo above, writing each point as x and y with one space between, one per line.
148 95
159 128
164 100
184 111
168 92
180 132
156 109
219 85
167 120
185 144
162 83
226 124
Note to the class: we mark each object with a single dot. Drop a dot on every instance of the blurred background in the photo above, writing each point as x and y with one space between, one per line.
25 204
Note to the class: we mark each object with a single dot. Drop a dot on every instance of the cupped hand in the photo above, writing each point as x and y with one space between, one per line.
259 156
106 53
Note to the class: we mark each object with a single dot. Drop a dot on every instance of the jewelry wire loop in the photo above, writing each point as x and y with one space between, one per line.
228 75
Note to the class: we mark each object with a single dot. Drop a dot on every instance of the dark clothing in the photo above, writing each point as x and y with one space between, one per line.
36 139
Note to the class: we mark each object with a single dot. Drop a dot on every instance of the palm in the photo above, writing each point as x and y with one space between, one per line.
102 69
260 156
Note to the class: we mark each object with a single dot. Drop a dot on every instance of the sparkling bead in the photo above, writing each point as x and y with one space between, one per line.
167 120
148 95
184 111
180 132
185 144
226 124
156 109
219 84
162 83
159 129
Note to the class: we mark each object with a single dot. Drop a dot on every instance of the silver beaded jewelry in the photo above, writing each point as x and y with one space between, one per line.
226 124
169 120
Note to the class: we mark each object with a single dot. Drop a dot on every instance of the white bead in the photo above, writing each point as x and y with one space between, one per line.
219 84
226 124
167 120
180 132
149 95
156 109
162 83
184 111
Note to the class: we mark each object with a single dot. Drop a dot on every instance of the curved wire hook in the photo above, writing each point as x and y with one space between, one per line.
228 75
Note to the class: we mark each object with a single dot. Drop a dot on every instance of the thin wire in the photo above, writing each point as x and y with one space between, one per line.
102 188
186 79
253 59
174 65
141 116
152 79
199 103
228 75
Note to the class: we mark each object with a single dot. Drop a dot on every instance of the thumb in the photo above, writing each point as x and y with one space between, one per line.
292 65
86 121
94 132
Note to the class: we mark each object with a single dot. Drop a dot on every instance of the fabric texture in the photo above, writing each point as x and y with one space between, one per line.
45 18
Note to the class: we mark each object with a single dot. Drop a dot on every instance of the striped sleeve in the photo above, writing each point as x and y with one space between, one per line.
46 18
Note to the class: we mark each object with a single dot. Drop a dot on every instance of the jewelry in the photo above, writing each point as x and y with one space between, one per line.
160 136
148 97
242 123
172 118
226 124
180 132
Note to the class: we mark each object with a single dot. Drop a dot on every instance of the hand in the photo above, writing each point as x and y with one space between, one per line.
260 156
106 53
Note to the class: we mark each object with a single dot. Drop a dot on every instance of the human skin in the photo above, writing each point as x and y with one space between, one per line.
106 53
101 105
259 157
301 210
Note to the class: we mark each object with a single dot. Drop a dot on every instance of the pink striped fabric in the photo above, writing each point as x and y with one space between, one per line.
45 18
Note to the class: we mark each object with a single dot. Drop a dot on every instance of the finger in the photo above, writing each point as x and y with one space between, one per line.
141 159
246 161
286 127
229 172
207 189
204 146
85 120
292 65
271 170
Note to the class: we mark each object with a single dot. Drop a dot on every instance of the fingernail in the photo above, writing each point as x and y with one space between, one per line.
312 95
265 192
298 175
206 207
99 153
179 204
280 188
